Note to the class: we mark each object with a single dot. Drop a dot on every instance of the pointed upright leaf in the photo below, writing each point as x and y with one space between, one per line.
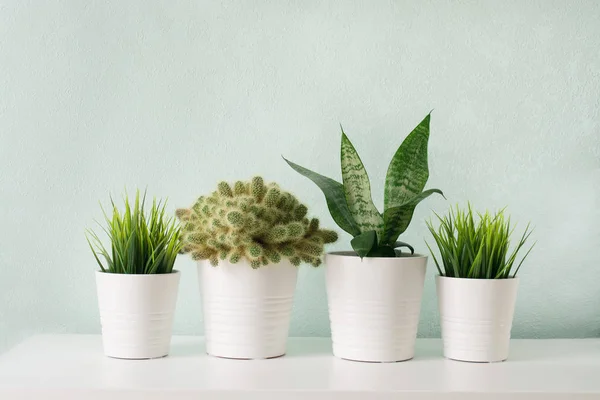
398 218
408 171
334 195
357 189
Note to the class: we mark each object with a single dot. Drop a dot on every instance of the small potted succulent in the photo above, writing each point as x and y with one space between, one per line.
477 283
136 284
249 239
374 293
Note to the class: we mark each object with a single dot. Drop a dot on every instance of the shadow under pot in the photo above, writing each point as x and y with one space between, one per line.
476 317
374 305
246 311
136 313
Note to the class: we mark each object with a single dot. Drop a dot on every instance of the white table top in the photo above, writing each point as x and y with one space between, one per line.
73 367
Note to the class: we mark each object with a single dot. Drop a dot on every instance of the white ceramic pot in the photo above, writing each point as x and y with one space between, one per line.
136 313
476 317
246 311
374 305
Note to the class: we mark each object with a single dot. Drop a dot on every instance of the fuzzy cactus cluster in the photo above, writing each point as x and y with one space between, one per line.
252 220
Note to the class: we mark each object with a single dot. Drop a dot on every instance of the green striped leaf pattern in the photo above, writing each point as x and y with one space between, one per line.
335 197
406 177
357 190
398 218
408 171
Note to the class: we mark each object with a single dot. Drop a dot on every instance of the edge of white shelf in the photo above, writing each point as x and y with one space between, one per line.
74 367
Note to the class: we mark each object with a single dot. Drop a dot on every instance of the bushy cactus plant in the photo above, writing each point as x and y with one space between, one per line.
252 220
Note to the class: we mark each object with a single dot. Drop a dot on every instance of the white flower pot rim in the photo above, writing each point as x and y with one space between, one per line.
175 271
352 254
477 279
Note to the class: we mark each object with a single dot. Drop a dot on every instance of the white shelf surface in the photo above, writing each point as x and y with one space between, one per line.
73 367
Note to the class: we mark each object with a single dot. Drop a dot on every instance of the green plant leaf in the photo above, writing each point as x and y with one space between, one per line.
408 171
357 190
100 248
364 243
382 251
397 219
399 244
335 197
437 264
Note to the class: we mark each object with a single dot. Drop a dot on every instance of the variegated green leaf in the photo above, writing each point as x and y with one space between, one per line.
357 189
408 171
398 218
334 195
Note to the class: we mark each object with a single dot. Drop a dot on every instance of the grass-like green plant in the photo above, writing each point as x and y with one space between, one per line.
476 248
351 205
141 243
255 221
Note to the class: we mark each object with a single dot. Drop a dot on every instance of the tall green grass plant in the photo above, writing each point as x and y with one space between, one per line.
141 242
477 246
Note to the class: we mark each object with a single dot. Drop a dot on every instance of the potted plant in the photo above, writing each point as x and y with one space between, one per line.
477 283
374 293
136 285
249 239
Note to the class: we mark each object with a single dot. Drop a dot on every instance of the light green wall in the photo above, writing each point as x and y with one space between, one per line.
96 96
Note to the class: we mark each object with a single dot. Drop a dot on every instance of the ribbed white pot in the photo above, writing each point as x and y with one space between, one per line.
476 317
374 305
136 313
246 311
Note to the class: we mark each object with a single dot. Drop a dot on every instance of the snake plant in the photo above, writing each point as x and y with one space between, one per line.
350 203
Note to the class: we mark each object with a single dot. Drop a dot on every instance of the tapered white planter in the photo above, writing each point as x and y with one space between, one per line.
374 305
136 313
246 311
476 317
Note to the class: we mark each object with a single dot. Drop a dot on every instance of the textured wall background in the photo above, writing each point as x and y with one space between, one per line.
97 96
